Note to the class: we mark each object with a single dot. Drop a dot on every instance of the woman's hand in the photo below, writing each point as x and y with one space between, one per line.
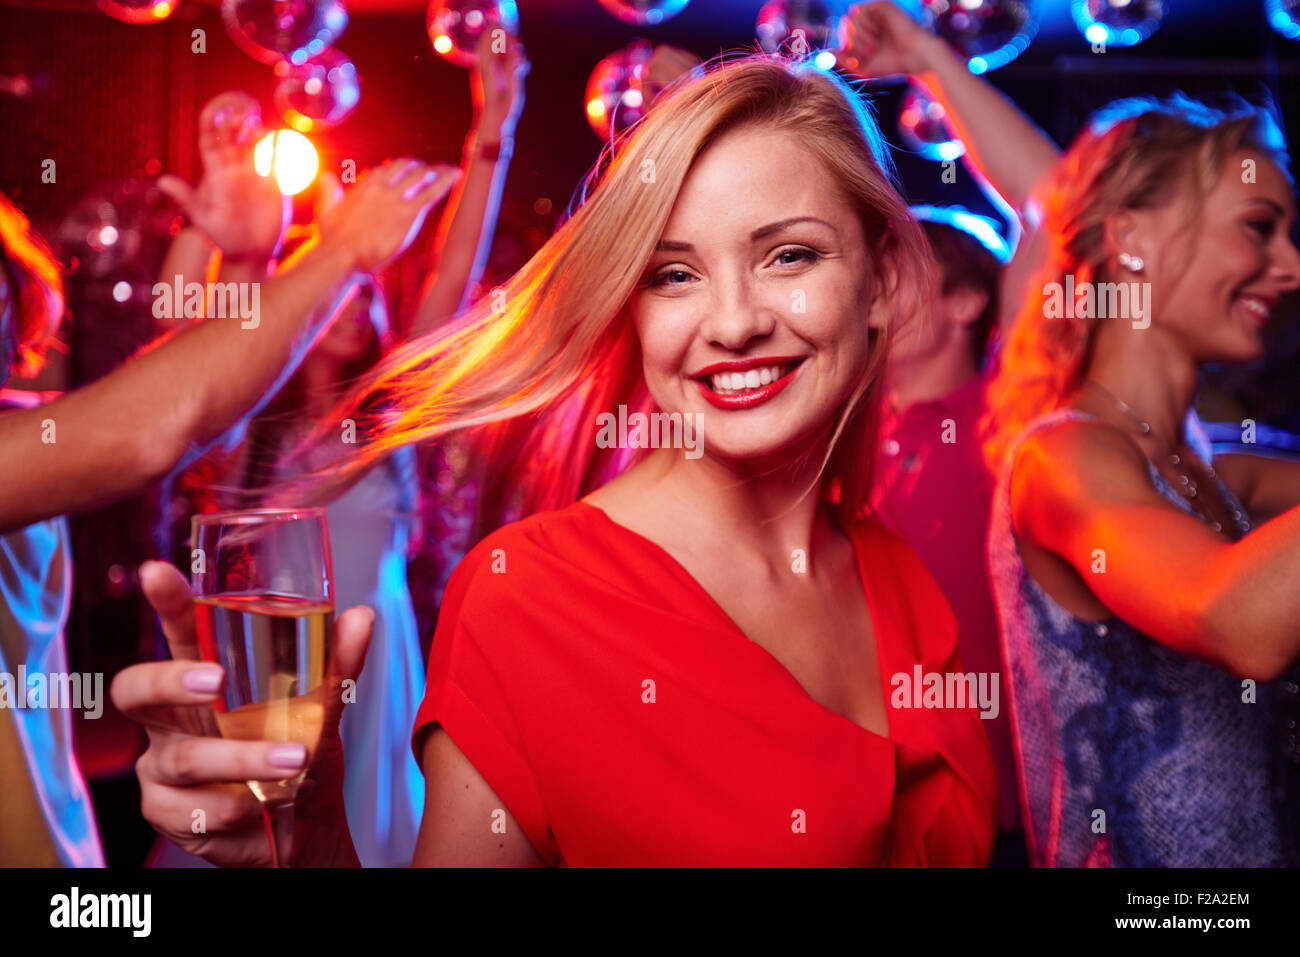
881 39
188 768
497 85
242 214
379 217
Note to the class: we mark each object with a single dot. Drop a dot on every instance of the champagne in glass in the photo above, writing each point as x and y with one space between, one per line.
264 611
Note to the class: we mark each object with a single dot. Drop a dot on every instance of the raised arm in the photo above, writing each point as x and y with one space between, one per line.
234 213
134 425
1007 149
1082 491
468 223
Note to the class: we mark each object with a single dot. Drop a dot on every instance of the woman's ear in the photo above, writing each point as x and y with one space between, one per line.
885 290
1127 232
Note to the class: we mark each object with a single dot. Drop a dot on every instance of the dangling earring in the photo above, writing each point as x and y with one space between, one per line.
1131 263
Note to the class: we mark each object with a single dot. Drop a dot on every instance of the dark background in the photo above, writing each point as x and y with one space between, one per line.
113 97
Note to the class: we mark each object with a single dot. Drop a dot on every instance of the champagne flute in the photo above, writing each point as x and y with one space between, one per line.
264 610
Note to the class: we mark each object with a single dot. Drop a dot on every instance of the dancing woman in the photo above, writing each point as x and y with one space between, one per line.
1141 622
698 660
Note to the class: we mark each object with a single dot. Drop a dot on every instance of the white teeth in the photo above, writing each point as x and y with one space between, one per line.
1257 306
731 382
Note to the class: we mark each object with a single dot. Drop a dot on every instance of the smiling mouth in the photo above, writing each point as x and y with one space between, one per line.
1258 307
751 380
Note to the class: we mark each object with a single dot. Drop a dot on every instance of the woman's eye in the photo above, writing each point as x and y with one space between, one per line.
671 277
795 255
1264 227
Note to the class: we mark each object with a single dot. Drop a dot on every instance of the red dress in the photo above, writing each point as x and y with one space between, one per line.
624 719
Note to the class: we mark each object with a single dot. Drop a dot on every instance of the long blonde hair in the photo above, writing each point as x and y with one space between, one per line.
532 364
1138 153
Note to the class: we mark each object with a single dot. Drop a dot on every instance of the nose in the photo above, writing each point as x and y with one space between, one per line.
1286 265
736 316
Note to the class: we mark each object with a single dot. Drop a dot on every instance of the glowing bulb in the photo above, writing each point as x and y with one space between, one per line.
108 235
442 43
824 60
596 109
291 156
122 291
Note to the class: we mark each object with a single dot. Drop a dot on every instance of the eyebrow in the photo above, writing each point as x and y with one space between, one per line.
674 246
1284 214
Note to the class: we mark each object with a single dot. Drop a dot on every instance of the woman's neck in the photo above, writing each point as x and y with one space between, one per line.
709 505
1143 370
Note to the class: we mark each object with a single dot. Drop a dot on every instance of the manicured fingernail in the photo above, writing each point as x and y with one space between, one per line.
288 756
202 680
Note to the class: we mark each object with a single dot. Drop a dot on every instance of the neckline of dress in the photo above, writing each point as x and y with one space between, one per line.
869 595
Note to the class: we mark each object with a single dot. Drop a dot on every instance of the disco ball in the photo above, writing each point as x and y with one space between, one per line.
644 13
1119 23
275 30
319 93
1284 17
795 26
455 26
989 33
616 95
138 11
107 230
923 128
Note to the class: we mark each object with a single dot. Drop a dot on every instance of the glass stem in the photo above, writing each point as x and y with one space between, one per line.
279 832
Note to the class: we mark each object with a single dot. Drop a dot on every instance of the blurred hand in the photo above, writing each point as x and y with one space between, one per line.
881 39
379 217
188 767
665 65
497 85
242 214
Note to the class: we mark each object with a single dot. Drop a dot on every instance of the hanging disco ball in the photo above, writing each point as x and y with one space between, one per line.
989 33
644 13
319 93
796 27
455 26
616 96
273 30
1284 17
924 130
107 230
1118 23
138 11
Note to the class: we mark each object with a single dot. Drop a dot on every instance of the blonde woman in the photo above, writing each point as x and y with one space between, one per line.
1148 597
698 662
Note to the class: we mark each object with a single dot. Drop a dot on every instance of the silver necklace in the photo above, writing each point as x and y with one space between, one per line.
1188 484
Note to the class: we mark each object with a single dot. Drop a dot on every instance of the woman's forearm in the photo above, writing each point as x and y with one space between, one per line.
1005 145
465 233
134 425
1252 598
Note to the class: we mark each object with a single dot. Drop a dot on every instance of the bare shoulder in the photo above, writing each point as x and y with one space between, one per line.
1081 456
459 810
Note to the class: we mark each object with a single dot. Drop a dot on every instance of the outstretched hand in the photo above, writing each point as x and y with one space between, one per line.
242 214
879 39
497 84
379 217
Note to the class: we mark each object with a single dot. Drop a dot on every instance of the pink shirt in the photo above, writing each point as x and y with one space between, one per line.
932 489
